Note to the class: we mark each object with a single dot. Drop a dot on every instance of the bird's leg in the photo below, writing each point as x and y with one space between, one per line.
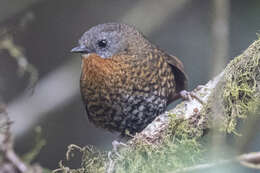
117 143
188 95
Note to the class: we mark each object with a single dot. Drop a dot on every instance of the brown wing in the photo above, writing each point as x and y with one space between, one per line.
178 70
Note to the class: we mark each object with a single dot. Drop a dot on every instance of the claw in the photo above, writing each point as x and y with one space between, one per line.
186 95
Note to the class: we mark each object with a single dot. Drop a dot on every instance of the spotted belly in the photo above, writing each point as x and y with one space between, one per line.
126 113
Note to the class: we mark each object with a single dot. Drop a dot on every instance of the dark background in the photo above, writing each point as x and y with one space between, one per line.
52 28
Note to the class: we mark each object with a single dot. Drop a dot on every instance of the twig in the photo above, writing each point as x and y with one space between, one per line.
24 66
251 160
6 147
15 160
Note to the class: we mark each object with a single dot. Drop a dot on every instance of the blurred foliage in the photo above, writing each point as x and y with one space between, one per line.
40 142
16 52
9 161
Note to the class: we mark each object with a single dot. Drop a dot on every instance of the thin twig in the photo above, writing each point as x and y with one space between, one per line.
7 148
251 160
15 160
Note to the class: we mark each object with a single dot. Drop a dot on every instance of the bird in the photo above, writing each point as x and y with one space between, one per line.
126 81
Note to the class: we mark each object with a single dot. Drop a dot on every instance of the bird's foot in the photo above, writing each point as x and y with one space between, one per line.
189 95
116 145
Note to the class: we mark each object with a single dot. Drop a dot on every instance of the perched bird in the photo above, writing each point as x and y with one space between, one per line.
126 81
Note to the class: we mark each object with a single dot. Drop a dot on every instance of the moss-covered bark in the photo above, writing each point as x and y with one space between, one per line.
237 93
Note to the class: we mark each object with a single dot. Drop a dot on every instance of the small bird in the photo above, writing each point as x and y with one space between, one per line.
126 81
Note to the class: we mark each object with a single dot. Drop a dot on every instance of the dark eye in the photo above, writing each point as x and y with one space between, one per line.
102 43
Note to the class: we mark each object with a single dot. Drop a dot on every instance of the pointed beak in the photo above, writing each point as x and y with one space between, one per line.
80 49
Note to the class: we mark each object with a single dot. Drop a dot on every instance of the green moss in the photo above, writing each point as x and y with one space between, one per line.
177 150
167 157
191 128
239 90
92 160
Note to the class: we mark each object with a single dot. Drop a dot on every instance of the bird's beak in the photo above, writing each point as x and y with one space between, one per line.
80 49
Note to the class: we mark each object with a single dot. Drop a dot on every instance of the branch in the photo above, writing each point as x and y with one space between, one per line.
10 162
6 145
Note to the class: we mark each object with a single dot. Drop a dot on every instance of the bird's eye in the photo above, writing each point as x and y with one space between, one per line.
102 43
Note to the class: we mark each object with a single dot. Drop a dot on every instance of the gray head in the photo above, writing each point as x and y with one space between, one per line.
109 39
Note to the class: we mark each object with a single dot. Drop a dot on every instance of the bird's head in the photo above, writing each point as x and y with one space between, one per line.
110 39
